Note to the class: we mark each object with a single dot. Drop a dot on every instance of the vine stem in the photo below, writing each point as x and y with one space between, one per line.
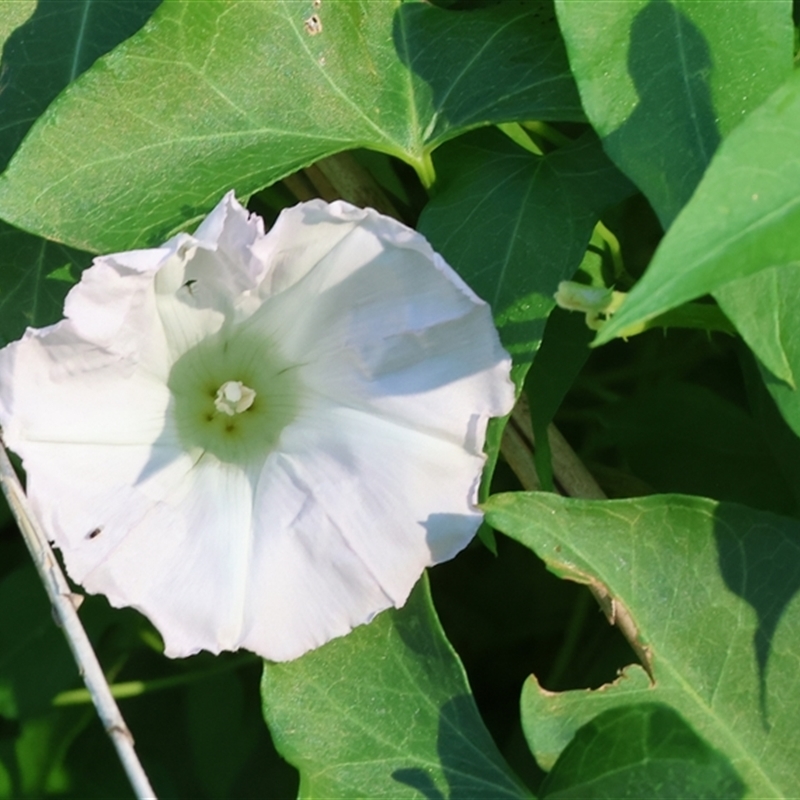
574 480
568 470
65 610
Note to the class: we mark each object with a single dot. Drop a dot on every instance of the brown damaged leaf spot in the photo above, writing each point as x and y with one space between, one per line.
616 612
313 25
622 676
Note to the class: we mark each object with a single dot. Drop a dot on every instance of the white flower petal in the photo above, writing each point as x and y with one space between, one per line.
102 491
57 388
186 562
301 237
376 327
259 440
221 266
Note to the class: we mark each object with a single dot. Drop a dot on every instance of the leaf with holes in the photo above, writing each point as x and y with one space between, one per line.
707 593
215 95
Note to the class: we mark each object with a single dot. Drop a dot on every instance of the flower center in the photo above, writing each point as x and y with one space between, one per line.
233 397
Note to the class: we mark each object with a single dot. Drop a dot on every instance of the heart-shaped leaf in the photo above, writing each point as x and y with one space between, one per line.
707 594
385 712
218 94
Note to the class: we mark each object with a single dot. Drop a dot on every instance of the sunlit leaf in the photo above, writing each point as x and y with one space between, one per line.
385 712
671 81
708 593
764 308
54 42
663 82
49 44
742 219
215 95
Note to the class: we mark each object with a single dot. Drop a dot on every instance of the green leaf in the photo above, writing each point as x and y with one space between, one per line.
706 592
662 103
763 307
464 57
218 94
14 13
680 437
513 224
58 41
47 45
385 712
663 82
35 276
644 750
742 219
35 661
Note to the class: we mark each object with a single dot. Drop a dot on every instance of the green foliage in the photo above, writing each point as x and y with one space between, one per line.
742 219
643 750
649 146
674 82
515 224
46 45
722 656
424 733
253 94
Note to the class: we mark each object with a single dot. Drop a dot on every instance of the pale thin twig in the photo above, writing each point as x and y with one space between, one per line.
575 481
65 604
568 469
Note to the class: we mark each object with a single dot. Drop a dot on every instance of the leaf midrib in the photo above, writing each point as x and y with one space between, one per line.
666 663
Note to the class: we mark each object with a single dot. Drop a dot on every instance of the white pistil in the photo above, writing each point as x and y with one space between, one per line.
233 397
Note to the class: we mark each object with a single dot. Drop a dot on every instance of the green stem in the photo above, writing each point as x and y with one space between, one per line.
697 316
76 697
614 249
547 132
426 170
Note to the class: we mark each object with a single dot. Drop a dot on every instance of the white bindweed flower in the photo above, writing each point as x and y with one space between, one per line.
259 441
